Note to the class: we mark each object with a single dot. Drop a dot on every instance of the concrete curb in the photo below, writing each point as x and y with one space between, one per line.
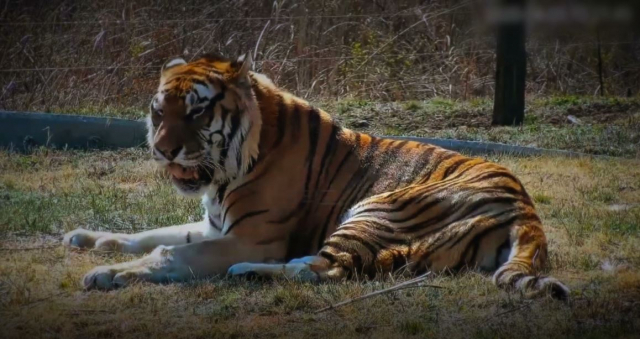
21 132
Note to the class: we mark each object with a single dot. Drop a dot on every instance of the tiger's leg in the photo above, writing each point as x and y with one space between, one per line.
310 268
351 250
183 262
143 242
486 232
528 254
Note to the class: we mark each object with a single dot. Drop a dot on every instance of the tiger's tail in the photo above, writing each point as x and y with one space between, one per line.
528 255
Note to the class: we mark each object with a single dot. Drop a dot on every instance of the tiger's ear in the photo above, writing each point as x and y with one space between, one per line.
173 63
245 64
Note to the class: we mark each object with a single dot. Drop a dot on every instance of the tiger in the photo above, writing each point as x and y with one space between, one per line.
288 192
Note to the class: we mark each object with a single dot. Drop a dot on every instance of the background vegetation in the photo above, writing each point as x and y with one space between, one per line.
105 55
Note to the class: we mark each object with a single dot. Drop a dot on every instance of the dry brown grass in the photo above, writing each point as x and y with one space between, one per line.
591 211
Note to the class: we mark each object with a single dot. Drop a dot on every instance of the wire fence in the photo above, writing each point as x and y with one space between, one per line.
296 59
389 50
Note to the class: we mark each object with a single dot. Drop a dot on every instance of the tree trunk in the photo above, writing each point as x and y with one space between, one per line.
511 68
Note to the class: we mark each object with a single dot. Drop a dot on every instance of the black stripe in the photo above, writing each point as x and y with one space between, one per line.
324 194
329 152
340 246
358 226
461 237
354 238
422 160
248 182
453 167
220 192
243 137
281 122
213 101
390 157
475 241
339 203
235 126
314 131
369 174
423 209
295 119
244 217
252 165
494 174
361 192
500 189
332 259
433 250
213 224
224 113
438 161
427 190
505 245
209 108
257 178
468 209
357 186
393 209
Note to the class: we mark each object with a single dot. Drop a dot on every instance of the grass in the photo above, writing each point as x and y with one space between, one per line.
590 208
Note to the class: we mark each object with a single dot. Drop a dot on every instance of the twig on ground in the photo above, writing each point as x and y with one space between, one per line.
401 286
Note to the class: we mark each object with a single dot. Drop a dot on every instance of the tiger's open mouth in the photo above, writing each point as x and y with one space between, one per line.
189 179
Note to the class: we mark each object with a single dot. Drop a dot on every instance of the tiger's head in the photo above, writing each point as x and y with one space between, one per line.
204 122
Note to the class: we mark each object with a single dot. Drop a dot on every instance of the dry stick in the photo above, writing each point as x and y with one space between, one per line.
400 286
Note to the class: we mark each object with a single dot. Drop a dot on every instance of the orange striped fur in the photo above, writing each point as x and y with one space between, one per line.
275 170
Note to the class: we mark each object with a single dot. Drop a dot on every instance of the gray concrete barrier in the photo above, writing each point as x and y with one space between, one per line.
24 131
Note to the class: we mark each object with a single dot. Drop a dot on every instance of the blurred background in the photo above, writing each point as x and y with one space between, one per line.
57 55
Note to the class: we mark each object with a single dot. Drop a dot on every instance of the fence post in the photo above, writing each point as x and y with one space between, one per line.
511 65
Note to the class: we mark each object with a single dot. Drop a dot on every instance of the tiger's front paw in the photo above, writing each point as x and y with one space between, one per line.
156 267
114 276
103 241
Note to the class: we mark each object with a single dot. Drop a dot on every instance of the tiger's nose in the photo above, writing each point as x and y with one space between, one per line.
169 154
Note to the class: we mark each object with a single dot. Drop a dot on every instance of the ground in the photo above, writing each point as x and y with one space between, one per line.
590 208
